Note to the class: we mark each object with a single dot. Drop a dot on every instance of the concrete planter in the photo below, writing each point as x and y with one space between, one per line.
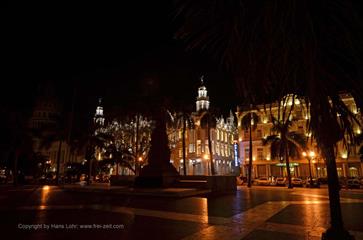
120 180
217 184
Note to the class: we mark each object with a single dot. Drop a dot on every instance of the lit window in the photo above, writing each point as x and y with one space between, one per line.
259 133
191 148
247 153
259 153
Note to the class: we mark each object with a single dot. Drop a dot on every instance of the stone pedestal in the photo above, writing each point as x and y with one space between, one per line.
157 176
159 172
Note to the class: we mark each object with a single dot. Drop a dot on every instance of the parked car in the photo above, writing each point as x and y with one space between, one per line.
100 178
3 177
83 177
353 183
280 181
263 181
48 178
314 183
297 182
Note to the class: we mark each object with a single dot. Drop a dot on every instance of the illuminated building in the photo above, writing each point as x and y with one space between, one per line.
265 165
223 135
99 119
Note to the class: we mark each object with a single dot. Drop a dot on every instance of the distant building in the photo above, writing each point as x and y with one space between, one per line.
223 138
99 119
264 165
223 135
45 125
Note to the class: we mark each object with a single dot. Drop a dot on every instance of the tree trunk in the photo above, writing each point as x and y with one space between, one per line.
15 174
137 163
348 173
89 171
183 143
286 148
336 230
249 184
310 176
210 149
69 135
58 161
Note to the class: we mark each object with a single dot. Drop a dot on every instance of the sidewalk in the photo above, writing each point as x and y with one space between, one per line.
129 191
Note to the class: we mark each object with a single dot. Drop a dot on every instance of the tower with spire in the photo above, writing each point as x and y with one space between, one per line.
99 119
202 102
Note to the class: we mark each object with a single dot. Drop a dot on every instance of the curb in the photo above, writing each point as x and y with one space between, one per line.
133 192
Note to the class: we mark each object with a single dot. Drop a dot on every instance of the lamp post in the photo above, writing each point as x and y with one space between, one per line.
140 163
309 157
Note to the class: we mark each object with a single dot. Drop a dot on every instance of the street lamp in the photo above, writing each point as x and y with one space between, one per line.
140 163
309 157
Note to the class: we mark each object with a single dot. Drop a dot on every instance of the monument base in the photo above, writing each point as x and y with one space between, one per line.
157 176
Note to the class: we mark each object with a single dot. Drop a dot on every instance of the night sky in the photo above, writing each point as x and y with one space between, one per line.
104 51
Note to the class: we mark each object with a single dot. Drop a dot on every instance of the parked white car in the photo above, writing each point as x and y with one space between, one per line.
297 182
280 181
263 181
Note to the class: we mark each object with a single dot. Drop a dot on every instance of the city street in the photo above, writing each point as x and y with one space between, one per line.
48 212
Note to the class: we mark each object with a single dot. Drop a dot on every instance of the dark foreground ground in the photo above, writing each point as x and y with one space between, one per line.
49 212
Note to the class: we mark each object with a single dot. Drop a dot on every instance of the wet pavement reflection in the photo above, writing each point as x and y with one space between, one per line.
246 214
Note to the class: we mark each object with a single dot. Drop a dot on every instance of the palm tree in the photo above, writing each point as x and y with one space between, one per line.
121 157
313 60
184 120
60 135
17 141
208 121
295 143
249 122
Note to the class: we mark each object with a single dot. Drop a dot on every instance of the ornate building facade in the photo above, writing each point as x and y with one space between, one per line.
264 165
223 134
45 126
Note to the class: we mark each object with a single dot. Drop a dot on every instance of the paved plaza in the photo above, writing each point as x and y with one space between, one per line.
50 212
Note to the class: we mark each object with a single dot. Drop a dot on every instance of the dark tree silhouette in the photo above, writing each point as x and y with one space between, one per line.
208 121
183 120
274 48
249 122
285 147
